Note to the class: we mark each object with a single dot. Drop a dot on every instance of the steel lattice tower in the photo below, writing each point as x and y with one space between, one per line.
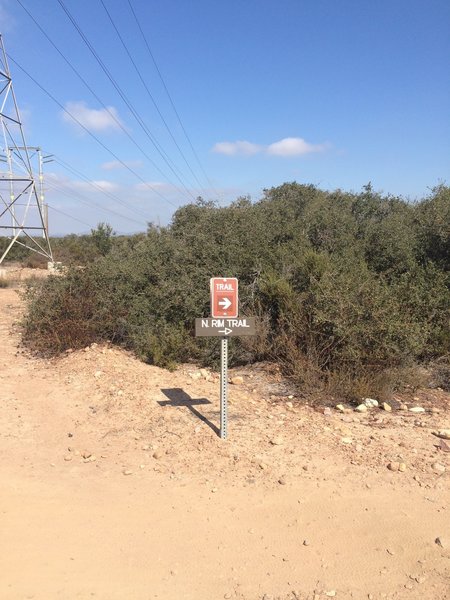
23 216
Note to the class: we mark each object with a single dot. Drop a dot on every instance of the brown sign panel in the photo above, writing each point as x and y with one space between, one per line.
225 327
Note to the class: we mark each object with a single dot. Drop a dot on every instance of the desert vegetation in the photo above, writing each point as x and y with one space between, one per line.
350 289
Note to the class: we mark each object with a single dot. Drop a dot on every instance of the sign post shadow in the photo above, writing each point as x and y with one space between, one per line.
178 397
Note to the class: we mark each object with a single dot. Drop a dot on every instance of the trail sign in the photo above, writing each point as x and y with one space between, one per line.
224 324
224 297
225 327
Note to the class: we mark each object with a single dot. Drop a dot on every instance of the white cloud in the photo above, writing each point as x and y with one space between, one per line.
291 146
80 186
115 164
102 119
237 148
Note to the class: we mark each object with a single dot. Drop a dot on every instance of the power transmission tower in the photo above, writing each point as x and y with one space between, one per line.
22 208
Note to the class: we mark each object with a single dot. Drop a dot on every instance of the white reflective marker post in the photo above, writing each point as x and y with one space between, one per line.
223 388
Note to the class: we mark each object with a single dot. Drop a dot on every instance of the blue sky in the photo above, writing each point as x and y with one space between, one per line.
331 92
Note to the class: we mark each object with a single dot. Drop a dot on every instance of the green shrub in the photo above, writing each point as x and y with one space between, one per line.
346 287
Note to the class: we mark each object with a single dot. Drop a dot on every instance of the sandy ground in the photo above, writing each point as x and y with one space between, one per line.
115 485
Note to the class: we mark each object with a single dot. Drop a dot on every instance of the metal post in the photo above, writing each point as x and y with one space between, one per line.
223 387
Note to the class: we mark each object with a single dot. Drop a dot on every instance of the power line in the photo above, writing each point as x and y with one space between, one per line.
69 216
91 134
144 37
111 113
97 187
150 95
84 200
130 106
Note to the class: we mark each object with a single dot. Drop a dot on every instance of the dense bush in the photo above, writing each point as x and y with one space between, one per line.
347 287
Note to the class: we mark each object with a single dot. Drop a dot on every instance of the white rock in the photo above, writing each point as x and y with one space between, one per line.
347 440
237 380
438 468
417 409
370 402
361 408
340 407
387 407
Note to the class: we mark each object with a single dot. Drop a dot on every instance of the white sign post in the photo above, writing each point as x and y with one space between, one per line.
223 387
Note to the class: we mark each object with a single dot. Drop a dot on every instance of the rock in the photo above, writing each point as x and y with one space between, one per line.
262 466
346 432
195 375
444 446
387 407
68 457
127 472
282 481
237 380
370 402
402 467
204 373
98 374
361 408
359 448
417 409
157 454
228 595
306 542
289 405
340 408
277 441
438 468
327 411
214 490
442 433
86 454
331 593
145 447
393 466
442 542
346 440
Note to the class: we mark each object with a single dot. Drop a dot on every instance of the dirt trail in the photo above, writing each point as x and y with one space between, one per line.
114 485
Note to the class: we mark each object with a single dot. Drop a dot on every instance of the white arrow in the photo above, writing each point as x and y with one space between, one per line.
225 303
225 331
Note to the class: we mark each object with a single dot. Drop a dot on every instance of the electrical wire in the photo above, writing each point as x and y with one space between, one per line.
69 216
150 95
91 134
144 37
98 188
130 106
99 100
84 200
